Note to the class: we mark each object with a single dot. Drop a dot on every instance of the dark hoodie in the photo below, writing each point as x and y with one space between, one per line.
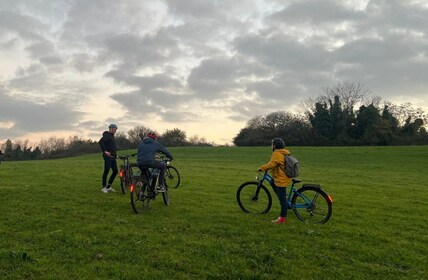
147 151
108 143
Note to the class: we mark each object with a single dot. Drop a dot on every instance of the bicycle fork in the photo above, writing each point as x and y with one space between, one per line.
256 194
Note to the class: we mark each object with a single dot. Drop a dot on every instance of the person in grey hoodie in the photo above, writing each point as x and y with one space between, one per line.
146 157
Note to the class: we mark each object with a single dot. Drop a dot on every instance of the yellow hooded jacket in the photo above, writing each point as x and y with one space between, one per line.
276 164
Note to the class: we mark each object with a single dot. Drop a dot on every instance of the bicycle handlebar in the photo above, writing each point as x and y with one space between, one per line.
164 158
127 156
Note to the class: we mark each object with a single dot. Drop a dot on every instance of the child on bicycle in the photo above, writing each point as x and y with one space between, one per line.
146 157
277 167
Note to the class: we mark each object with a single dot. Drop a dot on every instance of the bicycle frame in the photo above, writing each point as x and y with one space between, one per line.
293 190
125 171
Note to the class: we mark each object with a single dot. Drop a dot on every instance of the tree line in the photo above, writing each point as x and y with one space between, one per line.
55 147
345 114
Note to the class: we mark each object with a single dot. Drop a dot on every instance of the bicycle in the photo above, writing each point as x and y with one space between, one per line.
145 188
172 176
309 203
126 172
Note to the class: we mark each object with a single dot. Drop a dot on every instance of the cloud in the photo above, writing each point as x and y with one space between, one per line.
184 62
28 116
26 27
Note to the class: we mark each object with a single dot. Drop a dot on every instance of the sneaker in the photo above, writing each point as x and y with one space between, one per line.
161 188
104 190
110 189
279 220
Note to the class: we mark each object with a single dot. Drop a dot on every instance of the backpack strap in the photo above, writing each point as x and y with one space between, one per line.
283 169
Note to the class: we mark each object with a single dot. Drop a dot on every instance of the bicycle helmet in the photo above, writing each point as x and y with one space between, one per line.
152 135
278 143
112 126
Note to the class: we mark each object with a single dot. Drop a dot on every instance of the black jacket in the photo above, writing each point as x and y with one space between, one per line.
147 151
108 143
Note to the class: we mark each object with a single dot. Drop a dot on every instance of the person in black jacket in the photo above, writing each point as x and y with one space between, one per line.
108 146
147 156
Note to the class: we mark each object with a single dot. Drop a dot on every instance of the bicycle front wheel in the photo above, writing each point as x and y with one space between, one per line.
312 205
254 197
165 196
172 177
123 175
140 197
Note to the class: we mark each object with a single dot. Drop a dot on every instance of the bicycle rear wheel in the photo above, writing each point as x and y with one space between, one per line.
172 177
312 205
254 197
140 197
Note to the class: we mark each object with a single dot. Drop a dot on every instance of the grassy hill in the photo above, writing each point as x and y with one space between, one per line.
57 224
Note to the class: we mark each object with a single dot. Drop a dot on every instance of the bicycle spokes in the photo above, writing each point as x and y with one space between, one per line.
311 205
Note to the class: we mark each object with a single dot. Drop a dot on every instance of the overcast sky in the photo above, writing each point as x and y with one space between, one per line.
71 67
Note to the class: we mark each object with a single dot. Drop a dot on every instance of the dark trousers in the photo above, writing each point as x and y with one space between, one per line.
159 165
281 193
109 163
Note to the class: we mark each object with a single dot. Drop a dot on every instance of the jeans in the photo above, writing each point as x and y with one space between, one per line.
281 193
159 165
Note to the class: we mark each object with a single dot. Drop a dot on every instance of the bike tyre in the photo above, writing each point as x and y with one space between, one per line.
172 177
122 185
323 207
248 203
165 196
140 202
123 179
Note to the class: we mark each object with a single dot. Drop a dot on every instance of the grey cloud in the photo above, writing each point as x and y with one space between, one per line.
316 12
51 60
246 110
213 77
25 26
156 92
135 51
192 8
283 53
41 48
142 102
134 102
411 15
30 78
32 117
174 116
84 62
146 83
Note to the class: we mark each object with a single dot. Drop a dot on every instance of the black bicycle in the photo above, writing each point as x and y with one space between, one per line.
309 203
126 172
145 188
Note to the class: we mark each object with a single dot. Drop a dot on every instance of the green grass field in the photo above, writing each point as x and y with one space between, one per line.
57 224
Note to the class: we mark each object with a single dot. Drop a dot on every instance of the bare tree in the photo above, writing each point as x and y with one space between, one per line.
406 113
137 134
52 144
195 140
351 95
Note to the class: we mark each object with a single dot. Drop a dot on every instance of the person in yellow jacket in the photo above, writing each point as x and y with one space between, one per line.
277 167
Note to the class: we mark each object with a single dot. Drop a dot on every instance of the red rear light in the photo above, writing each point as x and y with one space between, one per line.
330 198
132 188
122 173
